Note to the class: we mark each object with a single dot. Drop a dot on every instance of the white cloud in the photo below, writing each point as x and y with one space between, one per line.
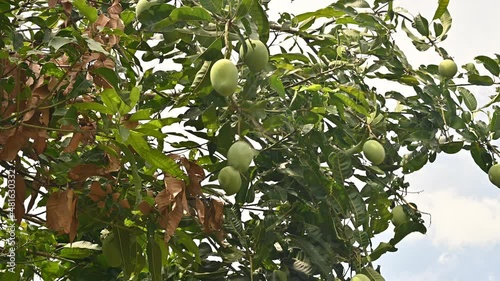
446 258
459 221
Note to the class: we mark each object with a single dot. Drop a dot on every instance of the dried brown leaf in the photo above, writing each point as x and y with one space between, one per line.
52 3
174 218
96 193
83 171
61 212
217 214
145 208
12 146
74 142
19 210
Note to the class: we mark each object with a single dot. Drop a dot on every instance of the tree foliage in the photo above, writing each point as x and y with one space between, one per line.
112 126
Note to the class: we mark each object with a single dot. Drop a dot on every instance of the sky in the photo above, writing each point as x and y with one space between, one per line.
463 238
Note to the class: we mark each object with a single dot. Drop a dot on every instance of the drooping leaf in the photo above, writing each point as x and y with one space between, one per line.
441 9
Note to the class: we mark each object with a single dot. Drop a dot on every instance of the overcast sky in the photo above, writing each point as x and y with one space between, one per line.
463 241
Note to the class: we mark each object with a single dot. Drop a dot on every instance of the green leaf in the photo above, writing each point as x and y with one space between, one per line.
469 98
94 106
352 104
446 21
341 165
322 13
406 228
214 6
58 42
372 274
244 7
452 147
109 75
143 114
490 64
416 161
441 9
201 75
95 46
422 25
316 258
381 249
260 18
87 11
481 156
154 254
153 156
356 93
111 99
480 80
276 84
190 13
357 206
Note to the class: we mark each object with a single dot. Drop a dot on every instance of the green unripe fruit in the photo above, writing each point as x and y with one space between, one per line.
494 174
240 155
142 6
447 68
360 277
399 216
256 56
224 77
111 251
230 180
374 151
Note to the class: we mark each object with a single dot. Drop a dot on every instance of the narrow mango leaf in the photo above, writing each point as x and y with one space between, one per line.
490 64
341 165
93 106
153 252
322 13
316 258
446 21
153 156
356 93
352 104
469 98
214 6
260 18
357 206
441 9
201 75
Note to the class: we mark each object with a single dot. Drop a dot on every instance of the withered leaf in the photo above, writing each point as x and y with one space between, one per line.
96 193
12 146
19 210
61 212
74 142
83 171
